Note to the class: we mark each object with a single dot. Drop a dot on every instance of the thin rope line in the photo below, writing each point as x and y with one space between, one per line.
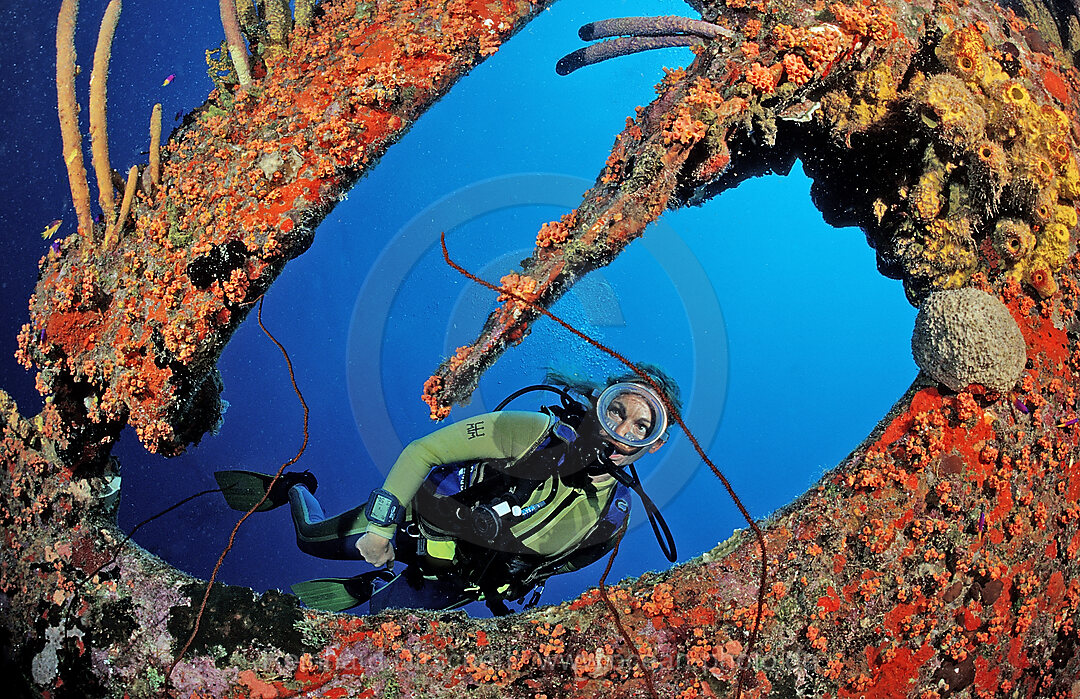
232 535
673 411
81 583
618 622
148 520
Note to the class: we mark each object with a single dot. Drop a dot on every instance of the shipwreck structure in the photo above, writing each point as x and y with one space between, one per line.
939 559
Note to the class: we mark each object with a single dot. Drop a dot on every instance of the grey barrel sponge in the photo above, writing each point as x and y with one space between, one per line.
966 336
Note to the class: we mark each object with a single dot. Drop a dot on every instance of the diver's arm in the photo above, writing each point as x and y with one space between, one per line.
498 435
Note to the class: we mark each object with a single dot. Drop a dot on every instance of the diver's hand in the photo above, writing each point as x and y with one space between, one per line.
376 550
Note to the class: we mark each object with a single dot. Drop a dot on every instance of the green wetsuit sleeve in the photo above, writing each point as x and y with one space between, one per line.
500 435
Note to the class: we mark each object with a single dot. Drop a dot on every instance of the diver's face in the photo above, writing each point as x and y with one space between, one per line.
630 416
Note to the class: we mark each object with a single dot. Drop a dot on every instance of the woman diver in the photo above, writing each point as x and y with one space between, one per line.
486 508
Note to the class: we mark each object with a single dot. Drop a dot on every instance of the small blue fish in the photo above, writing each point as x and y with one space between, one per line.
1021 406
982 522
178 115
1070 422
55 246
51 229
172 76
41 335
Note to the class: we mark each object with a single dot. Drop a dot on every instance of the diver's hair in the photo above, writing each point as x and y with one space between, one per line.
574 381
661 377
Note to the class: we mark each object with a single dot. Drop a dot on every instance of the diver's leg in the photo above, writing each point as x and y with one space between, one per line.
322 536
409 590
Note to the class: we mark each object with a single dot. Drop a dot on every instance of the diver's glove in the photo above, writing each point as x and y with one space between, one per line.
376 550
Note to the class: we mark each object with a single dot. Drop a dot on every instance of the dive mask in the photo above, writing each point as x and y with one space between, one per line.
615 412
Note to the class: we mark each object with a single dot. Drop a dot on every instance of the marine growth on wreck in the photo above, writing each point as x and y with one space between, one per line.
939 559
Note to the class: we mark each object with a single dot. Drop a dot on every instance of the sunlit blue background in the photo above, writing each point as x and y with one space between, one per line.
788 344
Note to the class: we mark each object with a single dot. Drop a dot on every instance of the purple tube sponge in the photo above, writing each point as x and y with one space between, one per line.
634 34
620 46
666 25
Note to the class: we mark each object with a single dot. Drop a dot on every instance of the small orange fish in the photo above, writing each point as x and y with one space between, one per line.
51 229
169 79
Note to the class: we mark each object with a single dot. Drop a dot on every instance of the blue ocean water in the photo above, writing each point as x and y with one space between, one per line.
788 344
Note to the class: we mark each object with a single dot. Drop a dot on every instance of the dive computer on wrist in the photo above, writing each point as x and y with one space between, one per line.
384 509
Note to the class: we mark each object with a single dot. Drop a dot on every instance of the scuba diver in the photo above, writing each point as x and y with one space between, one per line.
487 508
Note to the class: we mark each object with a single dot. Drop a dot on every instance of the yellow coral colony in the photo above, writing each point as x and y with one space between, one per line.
235 41
99 138
155 146
68 110
113 232
997 134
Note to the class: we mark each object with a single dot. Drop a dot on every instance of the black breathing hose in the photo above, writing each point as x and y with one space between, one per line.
665 539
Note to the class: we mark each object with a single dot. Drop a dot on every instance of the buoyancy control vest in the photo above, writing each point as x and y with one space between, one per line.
465 514
486 508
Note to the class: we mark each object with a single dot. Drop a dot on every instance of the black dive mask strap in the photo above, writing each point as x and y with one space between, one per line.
665 539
